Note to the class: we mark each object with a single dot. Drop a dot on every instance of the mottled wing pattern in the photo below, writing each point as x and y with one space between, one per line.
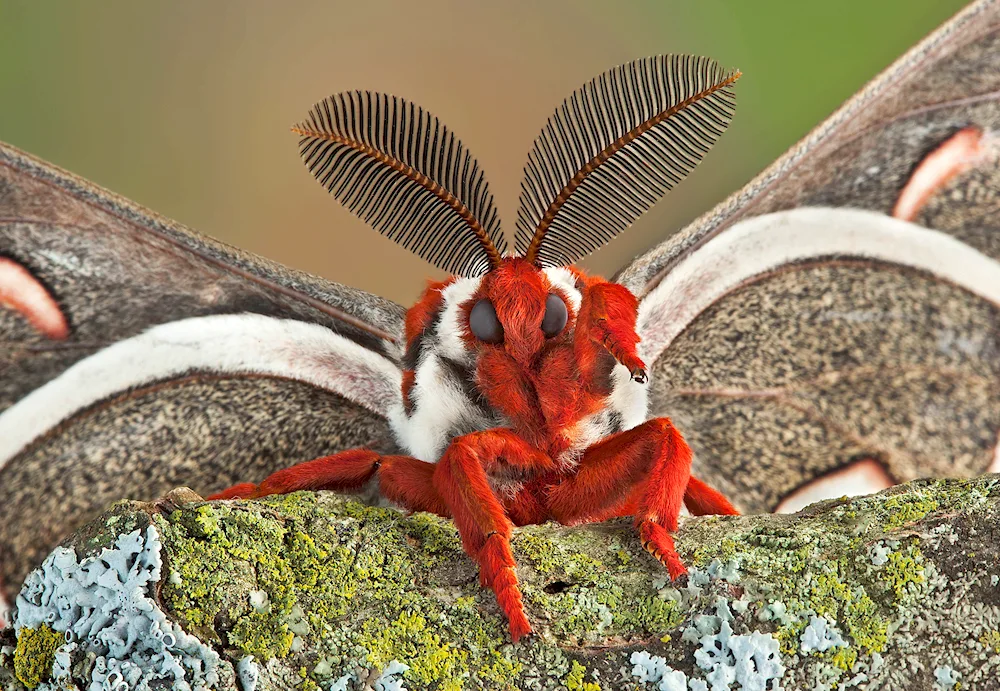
803 338
137 356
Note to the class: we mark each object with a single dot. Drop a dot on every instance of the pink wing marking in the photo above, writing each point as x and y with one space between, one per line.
963 150
22 292
862 477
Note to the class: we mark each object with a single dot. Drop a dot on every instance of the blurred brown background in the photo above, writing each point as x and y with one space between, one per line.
185 106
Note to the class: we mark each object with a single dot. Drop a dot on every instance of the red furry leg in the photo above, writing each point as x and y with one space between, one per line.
658 542
612 473
403 480
462 480
244 490
345 471
700 498
607 318
652 457
409 482
703 500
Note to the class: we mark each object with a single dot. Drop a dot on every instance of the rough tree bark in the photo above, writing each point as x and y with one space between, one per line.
895 590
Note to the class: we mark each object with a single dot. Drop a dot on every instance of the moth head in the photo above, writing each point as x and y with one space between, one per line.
605 156
520 309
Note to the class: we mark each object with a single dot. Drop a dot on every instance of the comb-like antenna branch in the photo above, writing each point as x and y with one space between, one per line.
614 148
398 168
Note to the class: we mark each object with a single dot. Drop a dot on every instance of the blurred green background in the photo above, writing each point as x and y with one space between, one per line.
185 106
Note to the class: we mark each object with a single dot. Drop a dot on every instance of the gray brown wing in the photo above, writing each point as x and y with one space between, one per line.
842 337
174 367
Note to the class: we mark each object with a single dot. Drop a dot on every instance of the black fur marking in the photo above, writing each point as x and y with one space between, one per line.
615 422
603 384
411 358
465 378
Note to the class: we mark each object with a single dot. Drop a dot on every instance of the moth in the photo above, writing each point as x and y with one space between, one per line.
522 389
832 327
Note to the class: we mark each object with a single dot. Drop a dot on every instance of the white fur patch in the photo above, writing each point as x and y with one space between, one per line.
564 280
628 398
763 243
231 343
451 328
440 407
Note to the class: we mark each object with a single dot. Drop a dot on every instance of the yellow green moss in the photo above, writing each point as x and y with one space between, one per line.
907 508
358 583
542 552
313 571
574 680
35 653
904 572
435 536
844 659
409 637
991 639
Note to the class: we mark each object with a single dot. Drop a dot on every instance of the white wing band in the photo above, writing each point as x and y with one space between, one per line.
221 344
763 243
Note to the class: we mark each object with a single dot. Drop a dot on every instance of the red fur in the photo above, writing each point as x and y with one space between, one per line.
543 386
702 500
409 379
422 313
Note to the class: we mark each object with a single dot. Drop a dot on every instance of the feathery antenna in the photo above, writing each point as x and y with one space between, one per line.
615 147
404 173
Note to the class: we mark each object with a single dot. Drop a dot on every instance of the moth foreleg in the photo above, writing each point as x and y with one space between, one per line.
403 480
703 500
647 467
462 479
607 318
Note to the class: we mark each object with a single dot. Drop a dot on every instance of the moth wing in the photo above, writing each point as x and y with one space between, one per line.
138 356
834 326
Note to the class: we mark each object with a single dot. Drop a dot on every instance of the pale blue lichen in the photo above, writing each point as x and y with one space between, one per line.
946 677
388 681
750 660
653 669
820 635
105 599
341 683
248 673
776 610
726 571
880 554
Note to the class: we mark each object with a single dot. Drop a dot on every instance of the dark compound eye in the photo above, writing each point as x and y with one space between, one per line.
555 316
484 323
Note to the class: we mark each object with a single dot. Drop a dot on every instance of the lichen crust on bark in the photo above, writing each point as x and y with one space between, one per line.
317 591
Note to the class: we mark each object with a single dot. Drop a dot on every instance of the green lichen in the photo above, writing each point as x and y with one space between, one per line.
35 653
410 637
435 536
908 508
822 565
575 682
311 571
904 573
323 584
218 554
991 639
